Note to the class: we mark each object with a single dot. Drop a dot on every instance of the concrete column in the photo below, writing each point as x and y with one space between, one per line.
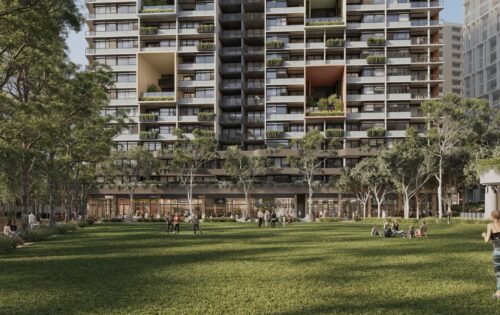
490 201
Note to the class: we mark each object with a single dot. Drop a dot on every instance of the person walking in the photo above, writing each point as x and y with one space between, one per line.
493 234
449 215
195 221
31 220
260 217
177 222
168 221
273 219
266 218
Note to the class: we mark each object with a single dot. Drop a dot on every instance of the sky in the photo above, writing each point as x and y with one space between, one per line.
453 12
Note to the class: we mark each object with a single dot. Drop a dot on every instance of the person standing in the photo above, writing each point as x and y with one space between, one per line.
266 218
449 215
170 226
177 222
493 234
31 220
273 219
260 217
195 221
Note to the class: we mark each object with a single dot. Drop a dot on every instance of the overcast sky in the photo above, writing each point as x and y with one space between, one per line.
453 12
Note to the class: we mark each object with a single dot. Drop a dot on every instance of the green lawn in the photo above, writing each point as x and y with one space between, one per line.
239 269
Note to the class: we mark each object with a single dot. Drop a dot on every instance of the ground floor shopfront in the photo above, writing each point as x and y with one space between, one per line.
225 205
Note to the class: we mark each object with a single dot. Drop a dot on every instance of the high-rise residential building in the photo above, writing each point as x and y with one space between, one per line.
480 37
453 73
254 71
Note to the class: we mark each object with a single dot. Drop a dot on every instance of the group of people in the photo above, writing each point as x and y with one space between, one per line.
392 230
10 229
272 218
173 222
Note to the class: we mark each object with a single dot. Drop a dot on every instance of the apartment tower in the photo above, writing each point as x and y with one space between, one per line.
481 50
254 72
453 72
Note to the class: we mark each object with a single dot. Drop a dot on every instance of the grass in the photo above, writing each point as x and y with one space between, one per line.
233 268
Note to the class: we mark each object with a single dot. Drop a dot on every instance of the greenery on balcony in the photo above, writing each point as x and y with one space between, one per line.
326 106
148 135
488 164
148 117
275 133
205 46
324 113
372 41
335 42
149 30
321 23
205 116
275 44
153 88
334 133
375 60
157 10
205 28
156 98
275 62
375 132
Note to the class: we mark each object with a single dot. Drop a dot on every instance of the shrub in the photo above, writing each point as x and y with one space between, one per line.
335 42
275 134
219 219
376 41
90 221
63 228
8 243
325 113
148 135
331 103
147 117
156 98
329 220
275 62
375 59
275 44
39 234
205 28
153 88
112 220
375 132
334 133
489 164
83 223
205 116
205 46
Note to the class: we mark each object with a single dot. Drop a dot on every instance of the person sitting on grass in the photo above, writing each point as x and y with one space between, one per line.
7 231
13 226
396 231
411 232
374 231
422 231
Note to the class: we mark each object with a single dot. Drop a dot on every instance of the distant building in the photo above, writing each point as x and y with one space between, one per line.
453 73
480 37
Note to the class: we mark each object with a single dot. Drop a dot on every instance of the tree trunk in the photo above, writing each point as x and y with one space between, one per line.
190 195
406 208
364 209
310 202
417 202
132 206
247 200
440 188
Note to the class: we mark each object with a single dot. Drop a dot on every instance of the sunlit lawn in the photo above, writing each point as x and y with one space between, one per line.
239 269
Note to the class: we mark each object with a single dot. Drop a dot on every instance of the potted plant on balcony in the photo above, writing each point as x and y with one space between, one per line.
275 133
328 106
372 41
149 30
375 132
335 42
153 88
275 44
275 62
374 59
205 46
205 116
205 28
147 117
334 133
148 135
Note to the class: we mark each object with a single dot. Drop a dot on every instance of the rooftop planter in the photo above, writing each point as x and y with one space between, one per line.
148 135
205 28
205 46
149 30
375 132
275 133
150 117
335 42
376 41
276 62
325 113
484 166
205 116
334 133
275 44
375 60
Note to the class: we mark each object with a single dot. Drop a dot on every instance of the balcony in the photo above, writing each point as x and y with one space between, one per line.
286 99
195 83
158 48
361 80
157 97
366 116
399 42
103 34
125 85
195 66
196 100
365 7
110 51
398 96
325 22
286 28
188 118
365 97
286 10
399 78
294 134
365 26
197 13
230 17
123 101
112 16
285 117
156 11
286 81
230 119
399 115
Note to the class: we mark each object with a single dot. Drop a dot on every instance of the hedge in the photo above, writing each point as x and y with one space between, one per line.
276 62
156 98
325 113
375 132
275 44
205 28
376 41
275 133
205 46
335 42
490 164
375 59
334 133
205 116
7 243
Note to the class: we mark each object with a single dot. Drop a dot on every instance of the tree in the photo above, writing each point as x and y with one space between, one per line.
244 169
351 181
132 168
189 157
369 173
408 165
310 158
453 122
